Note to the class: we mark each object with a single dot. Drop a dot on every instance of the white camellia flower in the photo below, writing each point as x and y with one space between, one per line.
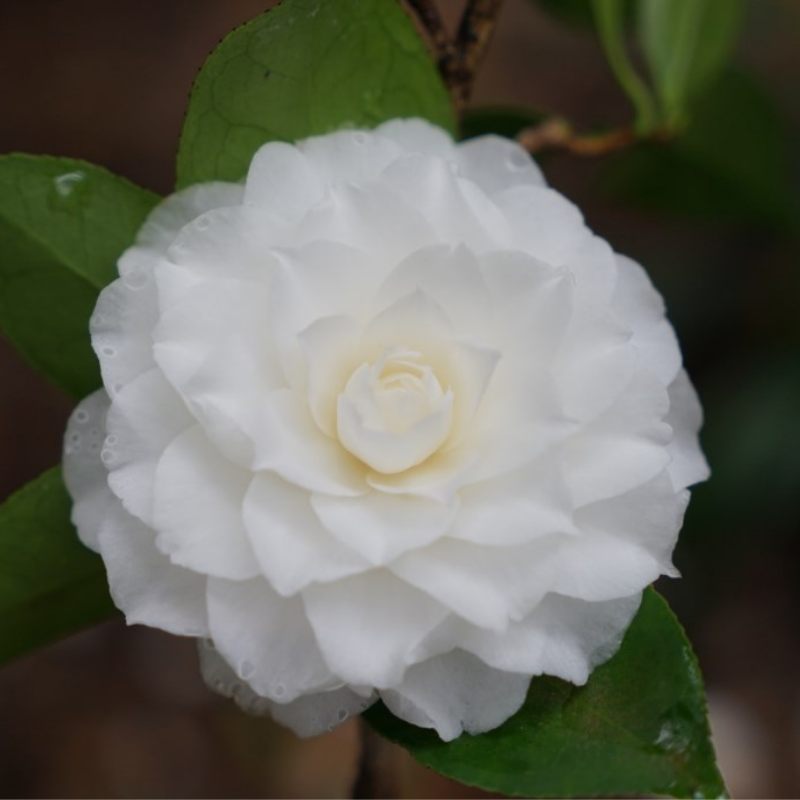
387 420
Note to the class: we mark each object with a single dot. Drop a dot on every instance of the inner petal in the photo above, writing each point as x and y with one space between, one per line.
394 414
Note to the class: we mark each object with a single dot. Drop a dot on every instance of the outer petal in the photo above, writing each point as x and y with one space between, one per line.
197 509
267 639
459 212
496 163
292 547
367 626
169 216
370 219
685 415
562 637
144 584
623 448
418 136
641 307
85 475
550 228
457 693
143 420
308 715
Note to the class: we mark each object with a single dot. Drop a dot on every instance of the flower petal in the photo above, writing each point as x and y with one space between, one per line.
562 636
308 715
179 209
457 693
418 136
85 475
550 228
380 527
621 449
288 441
457 209
685 416
496 163
197 509
282 182
637 303
516 507
266 639
370 219
368 625
144 418
292 547
144 584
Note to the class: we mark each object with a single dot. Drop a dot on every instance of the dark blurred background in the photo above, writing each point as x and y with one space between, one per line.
117 712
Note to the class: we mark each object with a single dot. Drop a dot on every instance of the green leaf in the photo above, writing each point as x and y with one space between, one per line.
306 67
50 584
733 162
687 44
610 19
505 121
63 224
638 727
578 12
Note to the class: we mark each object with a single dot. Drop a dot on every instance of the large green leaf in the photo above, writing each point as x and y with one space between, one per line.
638 727
63 224
304 68
687 44
733 162
50 584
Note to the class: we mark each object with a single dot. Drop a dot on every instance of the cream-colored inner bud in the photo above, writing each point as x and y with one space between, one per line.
394 414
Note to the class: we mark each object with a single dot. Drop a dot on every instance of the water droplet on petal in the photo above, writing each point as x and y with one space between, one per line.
107 457
246 669
518 160
81 416
202 223
111 440
109 351
342 714
279 690
360 138
135 278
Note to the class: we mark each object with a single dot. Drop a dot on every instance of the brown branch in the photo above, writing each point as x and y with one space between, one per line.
472 41
558 134
458 59
428 15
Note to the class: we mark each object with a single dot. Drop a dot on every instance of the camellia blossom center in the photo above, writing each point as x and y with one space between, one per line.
394 414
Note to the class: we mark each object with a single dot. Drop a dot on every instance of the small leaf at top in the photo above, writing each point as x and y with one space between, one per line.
687 43
306 67
638 727
50 584
63 225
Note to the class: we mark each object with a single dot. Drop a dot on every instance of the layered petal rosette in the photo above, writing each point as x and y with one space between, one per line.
387 420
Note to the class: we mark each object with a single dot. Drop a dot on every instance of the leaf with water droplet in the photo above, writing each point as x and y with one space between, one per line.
306 68
63 225
50 585
638 727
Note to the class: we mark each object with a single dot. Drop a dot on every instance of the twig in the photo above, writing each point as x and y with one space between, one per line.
428 15
458 59
558 134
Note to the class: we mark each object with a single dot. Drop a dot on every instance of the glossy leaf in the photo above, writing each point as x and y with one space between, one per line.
50 584
63 224
306 67
638 727
687 44
733 162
